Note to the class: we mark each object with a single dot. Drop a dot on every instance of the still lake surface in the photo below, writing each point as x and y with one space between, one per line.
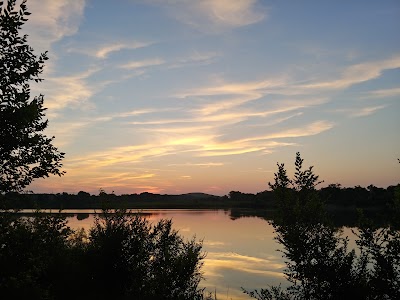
240 252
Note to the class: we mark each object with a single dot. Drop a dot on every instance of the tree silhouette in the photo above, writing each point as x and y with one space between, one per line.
123 256
319 264
25 152
131 258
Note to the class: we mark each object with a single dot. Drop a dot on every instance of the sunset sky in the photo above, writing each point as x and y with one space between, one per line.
177 96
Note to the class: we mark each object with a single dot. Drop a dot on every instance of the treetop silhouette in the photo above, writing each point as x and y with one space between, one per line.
25 152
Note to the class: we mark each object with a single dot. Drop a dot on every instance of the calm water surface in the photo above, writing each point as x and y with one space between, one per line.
240 253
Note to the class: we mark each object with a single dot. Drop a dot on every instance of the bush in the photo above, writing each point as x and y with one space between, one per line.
141 261
318 262
31 252
122 257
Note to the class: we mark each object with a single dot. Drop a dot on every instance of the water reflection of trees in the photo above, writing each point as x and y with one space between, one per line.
82 216
123 256
319 263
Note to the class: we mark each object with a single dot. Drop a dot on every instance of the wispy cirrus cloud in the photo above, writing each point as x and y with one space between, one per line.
200 145
195 59
52 20
143 111
236 147
360 112
121 155
125 176
226 102
138 64
196 121
232 88
105 51
233 94
383 93
209 164
228 152
109 180
307 130
214 244
72 90
355 74
196 145
204 133
366 111
66 132
285 85
276 120
214 16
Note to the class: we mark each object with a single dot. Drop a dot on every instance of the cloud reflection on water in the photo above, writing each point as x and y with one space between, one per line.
229 271
240 253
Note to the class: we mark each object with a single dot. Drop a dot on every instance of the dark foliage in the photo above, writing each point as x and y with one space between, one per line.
341 203
319 264
32 252
140 261
25 152
122 257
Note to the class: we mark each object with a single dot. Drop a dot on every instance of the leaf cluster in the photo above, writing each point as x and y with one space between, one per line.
319 264
143 261
122 256
297 198
25 152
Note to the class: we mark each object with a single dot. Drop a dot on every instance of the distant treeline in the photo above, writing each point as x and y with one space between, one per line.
334 197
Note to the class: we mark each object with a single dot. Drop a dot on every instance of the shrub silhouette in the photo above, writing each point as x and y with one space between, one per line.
318 262
141 261
122 257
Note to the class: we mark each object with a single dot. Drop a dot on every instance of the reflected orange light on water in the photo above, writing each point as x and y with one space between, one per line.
240 253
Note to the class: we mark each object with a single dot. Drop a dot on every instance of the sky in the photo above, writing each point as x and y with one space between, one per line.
179 96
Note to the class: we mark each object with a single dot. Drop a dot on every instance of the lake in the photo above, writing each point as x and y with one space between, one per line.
241 252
